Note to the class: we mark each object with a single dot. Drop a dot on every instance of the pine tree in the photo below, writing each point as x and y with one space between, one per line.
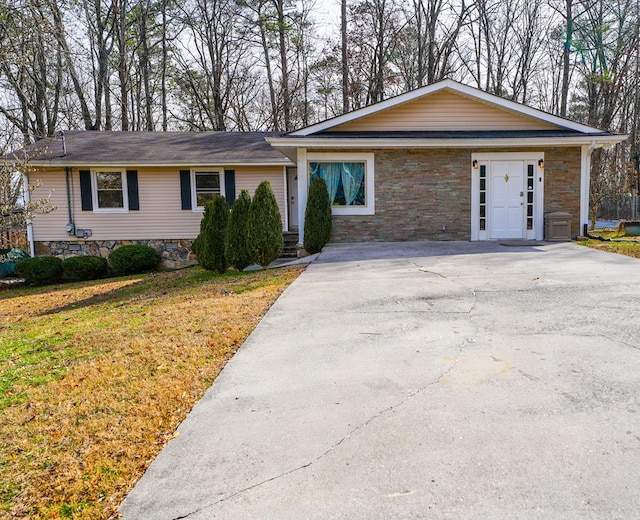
264 226
211 240
236 250
317 217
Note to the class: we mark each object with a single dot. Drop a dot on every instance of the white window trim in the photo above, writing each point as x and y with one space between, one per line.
125 191
485 159
214 169
369 194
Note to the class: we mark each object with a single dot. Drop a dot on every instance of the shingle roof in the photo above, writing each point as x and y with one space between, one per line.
150 148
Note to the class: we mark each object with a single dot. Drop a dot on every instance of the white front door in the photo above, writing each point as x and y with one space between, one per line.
507 195
292 190
507 200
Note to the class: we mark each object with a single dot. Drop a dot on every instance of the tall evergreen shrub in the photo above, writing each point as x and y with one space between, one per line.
317 217
236 250
264 226
211 240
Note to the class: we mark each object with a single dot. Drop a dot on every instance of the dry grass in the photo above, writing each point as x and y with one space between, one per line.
95 378
628 248
623 245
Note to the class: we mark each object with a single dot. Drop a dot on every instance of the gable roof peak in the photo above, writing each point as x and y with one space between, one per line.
451 86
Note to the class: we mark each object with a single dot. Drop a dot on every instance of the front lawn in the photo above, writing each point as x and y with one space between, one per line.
96 376
629 246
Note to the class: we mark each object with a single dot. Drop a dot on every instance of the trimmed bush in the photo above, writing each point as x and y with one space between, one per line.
79 268
133 259
236 250
317 217
264 226
194 246
211 240
41 270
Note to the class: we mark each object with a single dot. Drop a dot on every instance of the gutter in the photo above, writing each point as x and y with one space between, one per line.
54 163
318 142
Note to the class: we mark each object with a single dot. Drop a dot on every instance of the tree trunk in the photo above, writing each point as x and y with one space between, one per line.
123 72
345 57
284 64
267 61
163 72
566 59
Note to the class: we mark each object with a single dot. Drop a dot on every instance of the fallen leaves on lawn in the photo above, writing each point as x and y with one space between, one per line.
101 375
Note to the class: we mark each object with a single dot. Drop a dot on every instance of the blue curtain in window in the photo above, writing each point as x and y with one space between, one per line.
352 178
330 172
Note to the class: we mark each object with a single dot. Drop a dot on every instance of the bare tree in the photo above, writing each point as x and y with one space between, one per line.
374 28
30 70
18 206
345 56
427 45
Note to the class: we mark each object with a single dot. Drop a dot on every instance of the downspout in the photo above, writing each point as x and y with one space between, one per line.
71 228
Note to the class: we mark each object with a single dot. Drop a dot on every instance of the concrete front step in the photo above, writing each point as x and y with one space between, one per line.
290 245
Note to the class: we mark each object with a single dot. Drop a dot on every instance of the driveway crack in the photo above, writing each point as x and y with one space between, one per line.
365 424
344 438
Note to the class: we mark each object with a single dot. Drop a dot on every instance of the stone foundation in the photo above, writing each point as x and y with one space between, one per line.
174 253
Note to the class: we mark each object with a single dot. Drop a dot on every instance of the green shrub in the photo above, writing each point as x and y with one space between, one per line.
317 217
133 259
79 268
41 270
264 226
213 230
236 250
194 246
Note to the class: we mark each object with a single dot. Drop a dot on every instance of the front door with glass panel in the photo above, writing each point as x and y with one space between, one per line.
507 200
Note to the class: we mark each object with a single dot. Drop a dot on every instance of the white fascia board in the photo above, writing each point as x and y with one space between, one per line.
465 90
80 164
364 142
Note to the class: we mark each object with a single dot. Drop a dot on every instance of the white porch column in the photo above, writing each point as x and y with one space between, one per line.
585 176
303 188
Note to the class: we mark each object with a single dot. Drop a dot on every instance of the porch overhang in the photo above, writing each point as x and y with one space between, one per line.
288 145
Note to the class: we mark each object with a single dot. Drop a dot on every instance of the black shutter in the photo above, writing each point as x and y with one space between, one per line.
85 190
132 190
230 186
185 188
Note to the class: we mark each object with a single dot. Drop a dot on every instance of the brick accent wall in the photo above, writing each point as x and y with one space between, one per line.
426 194
420 195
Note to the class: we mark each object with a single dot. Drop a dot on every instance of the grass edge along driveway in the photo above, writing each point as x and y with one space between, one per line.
95 377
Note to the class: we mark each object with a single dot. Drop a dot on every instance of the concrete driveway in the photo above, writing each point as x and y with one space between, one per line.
423 380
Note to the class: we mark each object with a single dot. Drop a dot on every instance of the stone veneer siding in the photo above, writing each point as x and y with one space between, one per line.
420 195
426 194
562 184
174 253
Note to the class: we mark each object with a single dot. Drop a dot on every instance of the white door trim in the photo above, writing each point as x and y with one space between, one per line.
529 158
292 197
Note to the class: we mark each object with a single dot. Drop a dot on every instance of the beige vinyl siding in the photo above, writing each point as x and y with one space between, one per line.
160 215
50 226
248 178
444 111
